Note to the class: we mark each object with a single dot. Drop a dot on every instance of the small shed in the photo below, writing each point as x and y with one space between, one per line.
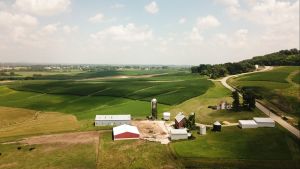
180 121
166 115
202 129
112 120
178 134
247 124
217 126
125 132
264 122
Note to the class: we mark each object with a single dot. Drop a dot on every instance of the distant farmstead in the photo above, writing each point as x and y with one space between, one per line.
125 132
112 120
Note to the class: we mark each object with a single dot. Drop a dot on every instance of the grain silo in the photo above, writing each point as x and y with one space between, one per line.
154 108
202 130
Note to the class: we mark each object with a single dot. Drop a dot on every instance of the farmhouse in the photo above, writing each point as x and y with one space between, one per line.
264 122
180 121
247 124
125 132
166 115
112 120
178 134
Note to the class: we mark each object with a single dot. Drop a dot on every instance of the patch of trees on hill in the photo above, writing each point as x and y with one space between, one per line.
282 58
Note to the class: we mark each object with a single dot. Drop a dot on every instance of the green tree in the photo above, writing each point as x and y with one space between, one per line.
248 99
236 101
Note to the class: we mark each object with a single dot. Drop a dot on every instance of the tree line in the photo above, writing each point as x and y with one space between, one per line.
282 58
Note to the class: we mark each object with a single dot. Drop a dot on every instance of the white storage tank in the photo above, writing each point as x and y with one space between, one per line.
202 130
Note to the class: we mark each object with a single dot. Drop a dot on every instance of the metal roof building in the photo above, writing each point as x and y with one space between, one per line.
178 134
111 120
124 132
247 124
264 122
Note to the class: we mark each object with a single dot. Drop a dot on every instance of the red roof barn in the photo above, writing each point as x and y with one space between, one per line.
180 121
125 131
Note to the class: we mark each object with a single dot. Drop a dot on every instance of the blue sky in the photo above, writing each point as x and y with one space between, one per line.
145 32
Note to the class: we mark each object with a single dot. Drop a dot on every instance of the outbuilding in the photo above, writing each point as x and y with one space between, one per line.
125 132
112 120
180 121
202 129
264 122
166 115
178 134
217 126
247 124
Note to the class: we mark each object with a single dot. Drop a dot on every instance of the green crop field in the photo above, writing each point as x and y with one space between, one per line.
278 88
235 147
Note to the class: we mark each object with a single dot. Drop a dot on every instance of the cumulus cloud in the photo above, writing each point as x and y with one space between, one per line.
152 8
207 22
182 20
42 7
129 33
97 18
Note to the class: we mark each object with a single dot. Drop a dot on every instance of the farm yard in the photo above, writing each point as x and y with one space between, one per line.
46 114
278 88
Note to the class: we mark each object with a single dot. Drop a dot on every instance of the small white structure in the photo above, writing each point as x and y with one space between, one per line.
256 67
125 132
247 124
178 134
166 115
112 120
264 122
202 130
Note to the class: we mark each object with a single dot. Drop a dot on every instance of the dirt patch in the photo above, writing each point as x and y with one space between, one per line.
152 130
8 165
67 138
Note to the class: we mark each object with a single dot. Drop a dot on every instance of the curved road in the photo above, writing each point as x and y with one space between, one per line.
261 107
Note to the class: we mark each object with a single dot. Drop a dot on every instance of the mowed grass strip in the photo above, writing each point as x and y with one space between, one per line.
123 154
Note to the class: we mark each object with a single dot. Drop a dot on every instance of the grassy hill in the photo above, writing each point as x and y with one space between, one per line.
277 87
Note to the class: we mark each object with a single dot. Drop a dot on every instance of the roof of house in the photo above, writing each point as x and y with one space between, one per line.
178 131
263 120
125 128
166 113
247 122
179 117
217 123
113 117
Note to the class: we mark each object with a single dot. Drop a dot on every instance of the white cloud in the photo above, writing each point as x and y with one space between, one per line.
42 7
97 18
117 6
207 22
152 8
70 29
129 33
182 20
49 29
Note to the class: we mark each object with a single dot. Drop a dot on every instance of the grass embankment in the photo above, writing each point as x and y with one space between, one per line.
240 148
134 154
278 88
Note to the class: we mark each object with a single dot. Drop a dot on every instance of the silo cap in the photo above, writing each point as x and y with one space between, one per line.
154 100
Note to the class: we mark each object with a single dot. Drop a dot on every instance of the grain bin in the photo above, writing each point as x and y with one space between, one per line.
202 130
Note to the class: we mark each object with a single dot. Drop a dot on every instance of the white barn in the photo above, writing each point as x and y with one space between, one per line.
166 115
112 120
247 124
264 122
178 134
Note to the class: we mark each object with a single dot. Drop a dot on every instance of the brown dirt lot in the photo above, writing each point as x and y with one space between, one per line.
151 129
67 138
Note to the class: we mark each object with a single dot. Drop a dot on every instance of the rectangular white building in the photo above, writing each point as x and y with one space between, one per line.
112 120
166 115
247 124
264 121
178 134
